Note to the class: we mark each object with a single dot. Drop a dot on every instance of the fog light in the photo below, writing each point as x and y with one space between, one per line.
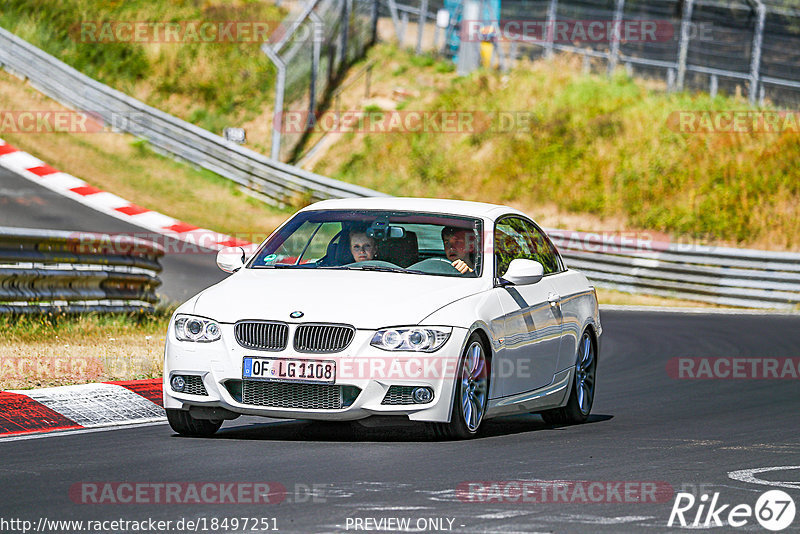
422 395
178 383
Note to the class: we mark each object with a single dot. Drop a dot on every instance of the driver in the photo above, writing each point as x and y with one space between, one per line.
459 247
362 247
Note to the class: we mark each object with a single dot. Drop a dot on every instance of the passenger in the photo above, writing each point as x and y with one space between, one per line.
362 247
459 247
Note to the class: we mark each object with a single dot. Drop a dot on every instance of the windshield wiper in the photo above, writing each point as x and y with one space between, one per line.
377 268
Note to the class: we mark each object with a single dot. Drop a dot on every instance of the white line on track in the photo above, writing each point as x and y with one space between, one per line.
749 476
59 433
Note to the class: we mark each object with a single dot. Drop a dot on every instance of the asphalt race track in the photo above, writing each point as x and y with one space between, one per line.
28 205
646 426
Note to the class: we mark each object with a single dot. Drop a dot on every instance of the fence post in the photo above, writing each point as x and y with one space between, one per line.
395 21
468 51
423 16
686 22
613 55
374 22
758 38
713 86
277 115
316 22
345 30
550 30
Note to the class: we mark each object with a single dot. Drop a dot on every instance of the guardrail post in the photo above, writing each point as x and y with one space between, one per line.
683 52
423 16
277 116
613 55
550 30
758 39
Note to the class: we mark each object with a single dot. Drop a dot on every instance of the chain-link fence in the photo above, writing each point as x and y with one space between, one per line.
317 47
748 47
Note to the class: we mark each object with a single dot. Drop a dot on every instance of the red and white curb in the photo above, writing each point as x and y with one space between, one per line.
35 170
107 404
78 407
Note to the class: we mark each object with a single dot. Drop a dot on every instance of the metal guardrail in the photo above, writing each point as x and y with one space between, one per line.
70 272
719 275
280 183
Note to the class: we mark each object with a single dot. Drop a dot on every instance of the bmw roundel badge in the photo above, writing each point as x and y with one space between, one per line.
296 314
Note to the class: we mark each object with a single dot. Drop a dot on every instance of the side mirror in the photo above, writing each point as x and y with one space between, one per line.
231 259
523 272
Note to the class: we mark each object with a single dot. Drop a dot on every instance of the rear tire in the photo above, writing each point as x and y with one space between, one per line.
581 395
186 425
470 396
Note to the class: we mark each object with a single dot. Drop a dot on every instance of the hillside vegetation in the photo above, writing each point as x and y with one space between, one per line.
596 147
213 84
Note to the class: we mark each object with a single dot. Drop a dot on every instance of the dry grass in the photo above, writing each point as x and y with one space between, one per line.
612 297
54 350
121 164
213 84
34 364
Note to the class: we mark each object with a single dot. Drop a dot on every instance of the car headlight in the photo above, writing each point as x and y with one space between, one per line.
418 339
188 328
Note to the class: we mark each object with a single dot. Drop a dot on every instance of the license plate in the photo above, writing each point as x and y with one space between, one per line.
289 370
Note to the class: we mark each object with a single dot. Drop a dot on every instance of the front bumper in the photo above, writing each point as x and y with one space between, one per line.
362 371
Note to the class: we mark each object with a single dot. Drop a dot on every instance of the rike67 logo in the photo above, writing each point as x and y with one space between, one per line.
774 510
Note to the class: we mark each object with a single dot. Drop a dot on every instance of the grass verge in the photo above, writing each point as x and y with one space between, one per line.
211 81
57 349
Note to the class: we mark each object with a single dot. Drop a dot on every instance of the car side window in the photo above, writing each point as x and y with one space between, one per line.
517 238
543 250
509 244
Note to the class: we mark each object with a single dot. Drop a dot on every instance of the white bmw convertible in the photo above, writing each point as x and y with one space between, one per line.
438 311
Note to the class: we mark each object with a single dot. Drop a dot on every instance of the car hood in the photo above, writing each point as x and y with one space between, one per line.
364 299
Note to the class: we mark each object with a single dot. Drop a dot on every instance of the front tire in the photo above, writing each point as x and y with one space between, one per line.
184 424
470 396
581 395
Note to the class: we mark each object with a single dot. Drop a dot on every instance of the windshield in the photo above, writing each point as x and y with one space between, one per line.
414 243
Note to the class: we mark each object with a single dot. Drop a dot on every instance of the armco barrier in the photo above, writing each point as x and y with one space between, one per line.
279 182
719 275
47 270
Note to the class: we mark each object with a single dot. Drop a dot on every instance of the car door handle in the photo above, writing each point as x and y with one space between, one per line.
554 299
